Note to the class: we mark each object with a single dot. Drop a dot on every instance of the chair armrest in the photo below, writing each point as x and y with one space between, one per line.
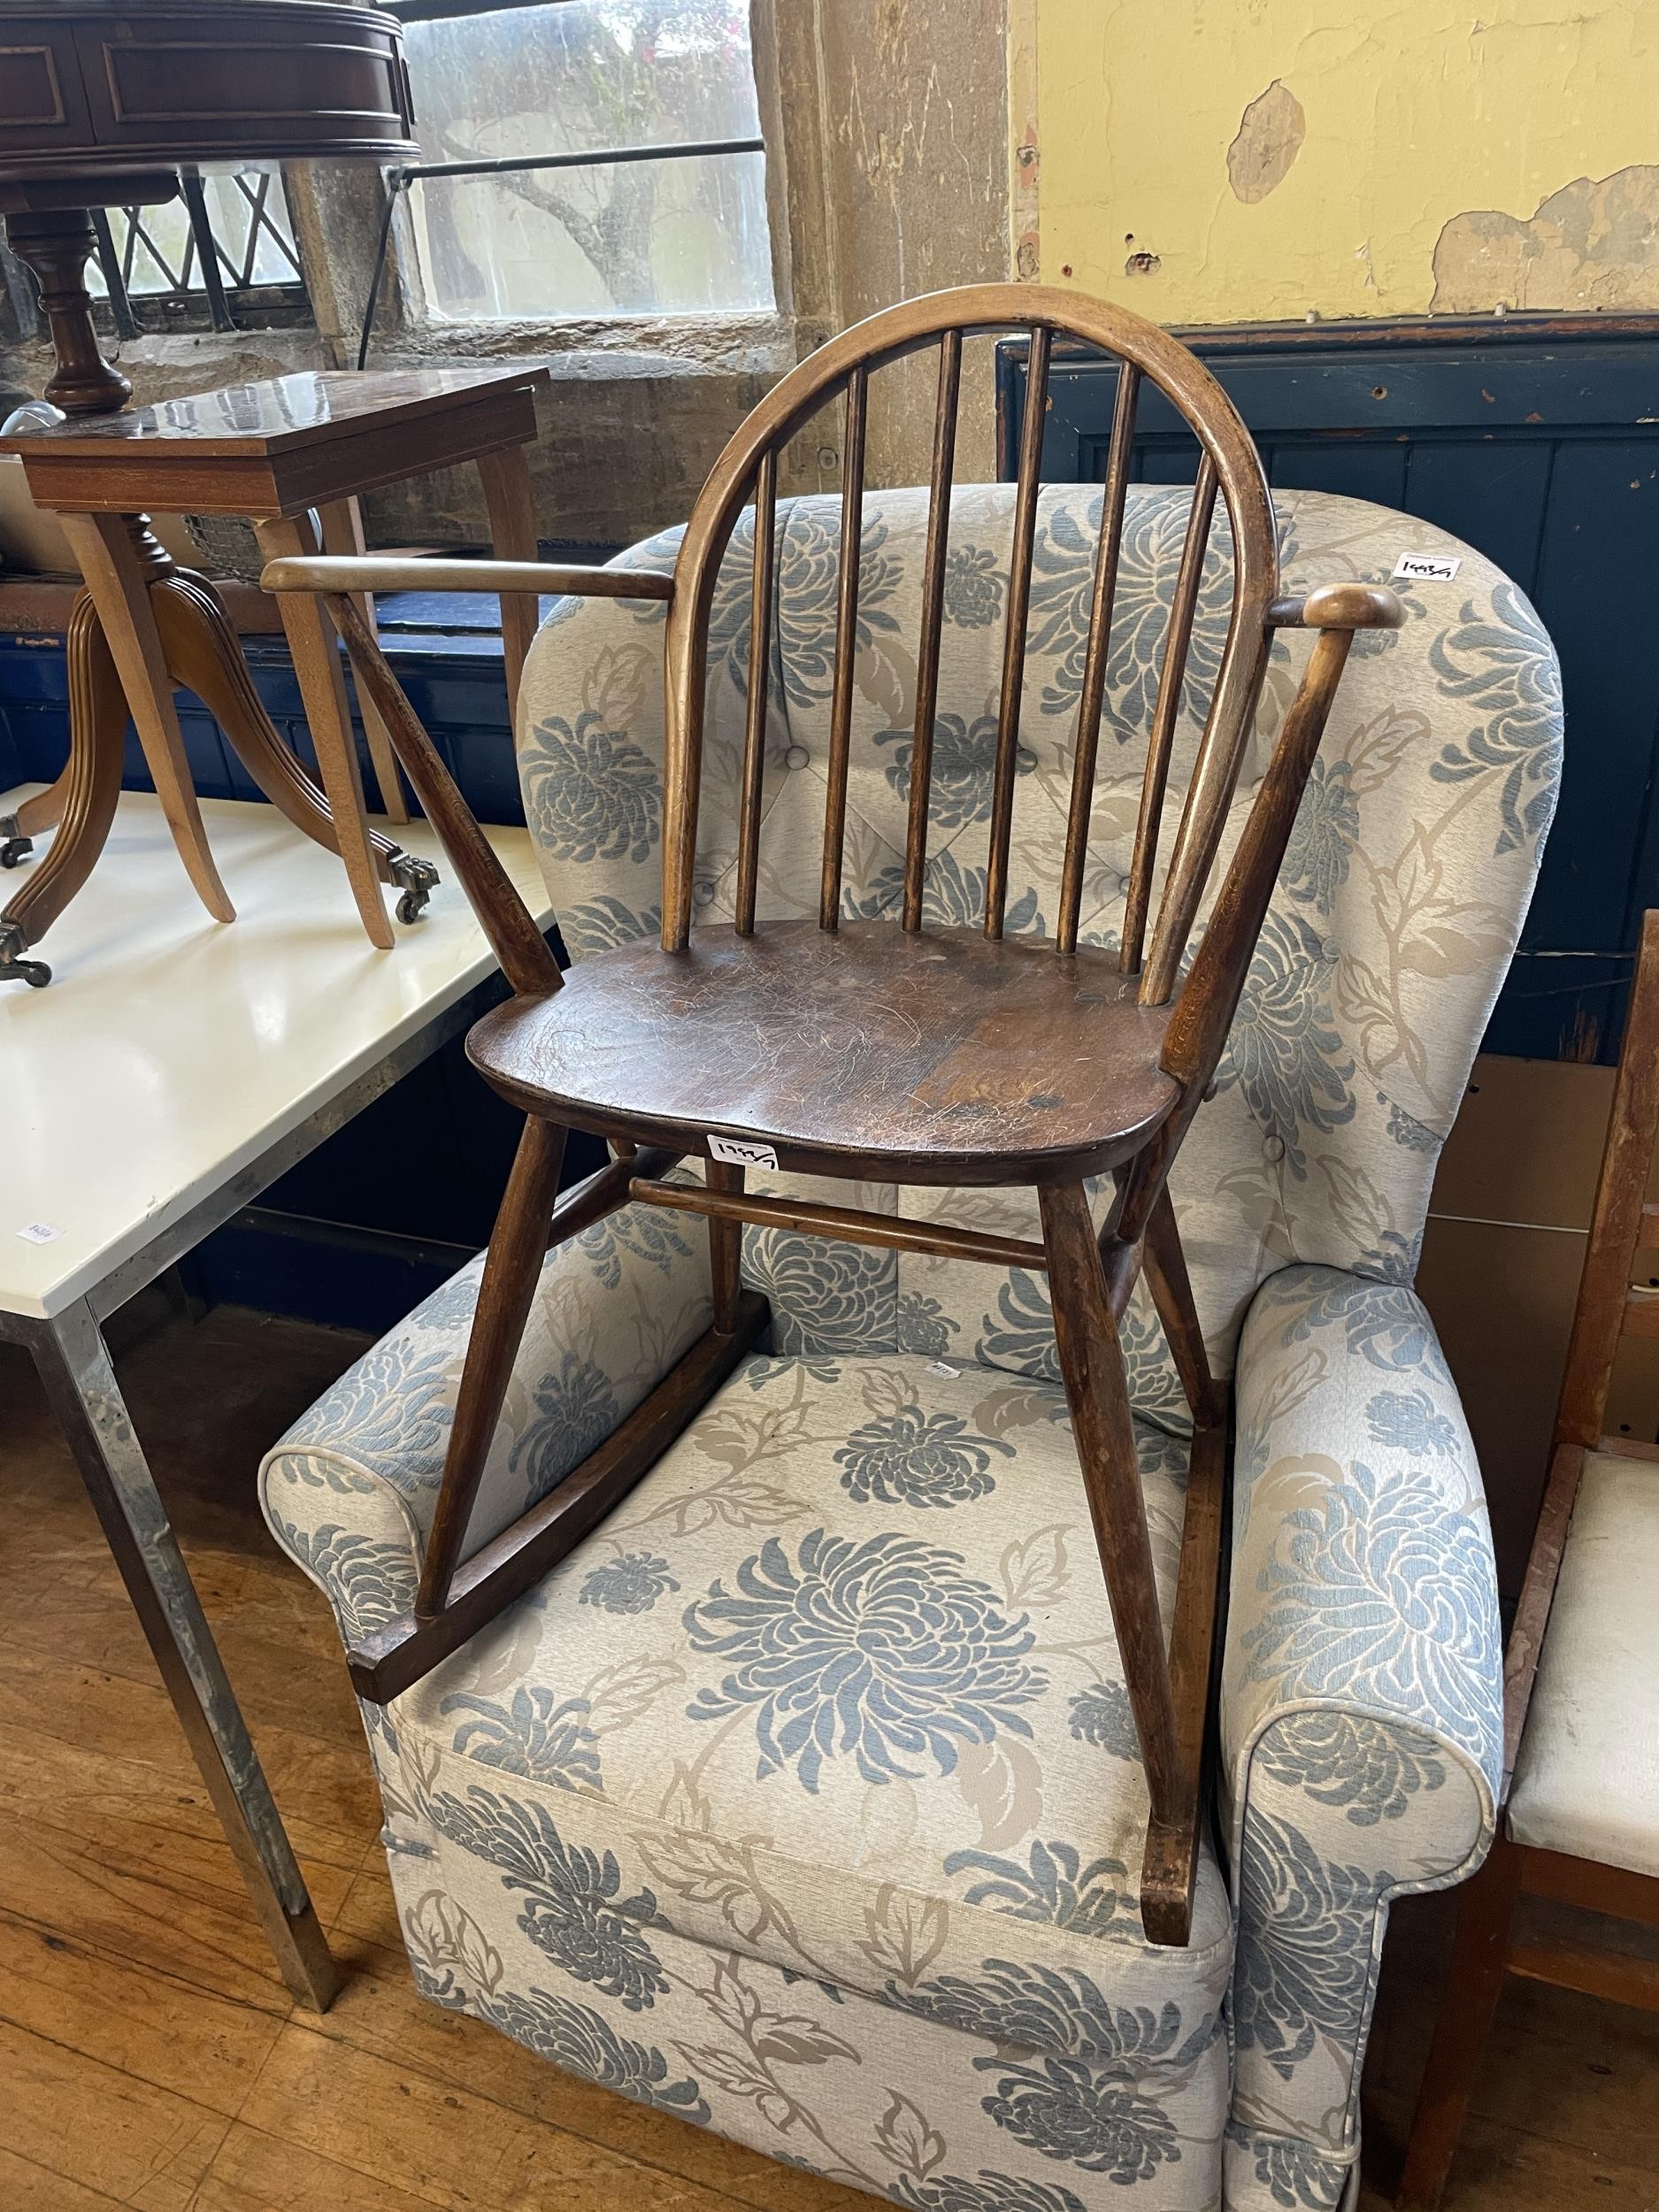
370 572
1340 607
1362 1697
349 1493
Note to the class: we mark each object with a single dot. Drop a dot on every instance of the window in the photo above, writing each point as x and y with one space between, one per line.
221 257
568 94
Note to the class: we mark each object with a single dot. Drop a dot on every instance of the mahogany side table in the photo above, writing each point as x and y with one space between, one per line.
293 455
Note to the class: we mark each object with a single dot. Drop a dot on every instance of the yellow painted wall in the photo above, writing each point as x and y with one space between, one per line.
1534 123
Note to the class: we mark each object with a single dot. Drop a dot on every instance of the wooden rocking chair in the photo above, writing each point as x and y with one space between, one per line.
890 1052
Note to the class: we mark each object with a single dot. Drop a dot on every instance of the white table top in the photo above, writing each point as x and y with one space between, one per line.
169 1050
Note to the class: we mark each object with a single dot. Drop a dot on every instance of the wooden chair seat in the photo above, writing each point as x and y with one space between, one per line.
940 1058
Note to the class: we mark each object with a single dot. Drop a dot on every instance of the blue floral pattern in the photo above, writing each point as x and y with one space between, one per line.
572 1909
583 2042
1322 843
920 1459
590 793
883 1649
630 1583
1304 1965
1054 1888
1286 1051
1379 1596
962 772
533 1735
1101 1715
1498 665
576 1409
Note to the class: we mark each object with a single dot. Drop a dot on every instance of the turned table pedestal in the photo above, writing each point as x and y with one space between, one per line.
292 455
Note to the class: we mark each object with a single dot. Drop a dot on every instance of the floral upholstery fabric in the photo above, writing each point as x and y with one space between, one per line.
801 1800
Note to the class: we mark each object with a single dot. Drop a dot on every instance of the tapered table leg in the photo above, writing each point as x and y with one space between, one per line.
74 1363
507 497
342 521
323 688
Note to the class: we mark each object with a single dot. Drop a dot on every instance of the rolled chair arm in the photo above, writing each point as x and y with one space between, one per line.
372 572
1361 1698
350 1492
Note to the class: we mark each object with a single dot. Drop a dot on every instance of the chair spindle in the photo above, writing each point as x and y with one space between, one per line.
1095 655
759 669
1177 644
846 646
932 618
1015 633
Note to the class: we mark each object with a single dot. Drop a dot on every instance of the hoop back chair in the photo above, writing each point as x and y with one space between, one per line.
896 1053
1578 1817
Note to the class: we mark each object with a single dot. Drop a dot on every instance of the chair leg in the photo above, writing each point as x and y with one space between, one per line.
1165 1264
1486 1915
726 1248
1091 1364
517 1245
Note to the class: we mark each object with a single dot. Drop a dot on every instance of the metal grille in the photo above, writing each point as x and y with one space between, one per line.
221 257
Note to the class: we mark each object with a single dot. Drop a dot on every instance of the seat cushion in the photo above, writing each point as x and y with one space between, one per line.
1587 1778
836 1688
949 1056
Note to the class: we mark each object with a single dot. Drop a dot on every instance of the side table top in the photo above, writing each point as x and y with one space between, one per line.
278 416
170 1051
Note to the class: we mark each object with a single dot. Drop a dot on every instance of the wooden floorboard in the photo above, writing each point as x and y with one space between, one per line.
150 2058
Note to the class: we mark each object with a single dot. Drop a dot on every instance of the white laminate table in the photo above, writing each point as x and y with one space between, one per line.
173 1068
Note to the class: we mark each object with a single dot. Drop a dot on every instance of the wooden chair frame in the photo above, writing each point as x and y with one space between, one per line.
1091 1275
1608 1308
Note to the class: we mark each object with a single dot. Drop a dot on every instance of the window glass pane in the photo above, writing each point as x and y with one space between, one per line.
616 238
158 253
249 210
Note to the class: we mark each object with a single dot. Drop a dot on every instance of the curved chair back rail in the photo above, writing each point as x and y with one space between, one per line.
747 473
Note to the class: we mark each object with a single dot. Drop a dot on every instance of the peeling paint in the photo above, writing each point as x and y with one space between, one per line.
1271 131
1173 119
1025 169
1594 243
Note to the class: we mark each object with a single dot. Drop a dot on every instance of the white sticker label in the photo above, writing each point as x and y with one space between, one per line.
941 1367
39 1233
1426 568
736 1153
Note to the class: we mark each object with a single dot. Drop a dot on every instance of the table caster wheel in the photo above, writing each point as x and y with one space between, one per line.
13 846
13 945
417 879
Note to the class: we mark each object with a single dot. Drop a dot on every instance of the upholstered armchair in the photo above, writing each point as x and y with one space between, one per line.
801 1800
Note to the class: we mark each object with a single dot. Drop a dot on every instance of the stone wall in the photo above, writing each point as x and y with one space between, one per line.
887 126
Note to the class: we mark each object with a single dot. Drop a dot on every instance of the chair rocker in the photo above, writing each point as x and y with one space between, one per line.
891 1053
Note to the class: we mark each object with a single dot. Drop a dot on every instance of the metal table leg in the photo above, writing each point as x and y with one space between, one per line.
75 1365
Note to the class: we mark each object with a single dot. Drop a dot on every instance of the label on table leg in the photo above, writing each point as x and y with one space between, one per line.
737 1153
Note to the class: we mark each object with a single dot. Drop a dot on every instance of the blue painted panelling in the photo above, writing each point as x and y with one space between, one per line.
455 682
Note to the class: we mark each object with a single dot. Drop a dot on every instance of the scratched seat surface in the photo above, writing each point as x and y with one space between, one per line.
944 1057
